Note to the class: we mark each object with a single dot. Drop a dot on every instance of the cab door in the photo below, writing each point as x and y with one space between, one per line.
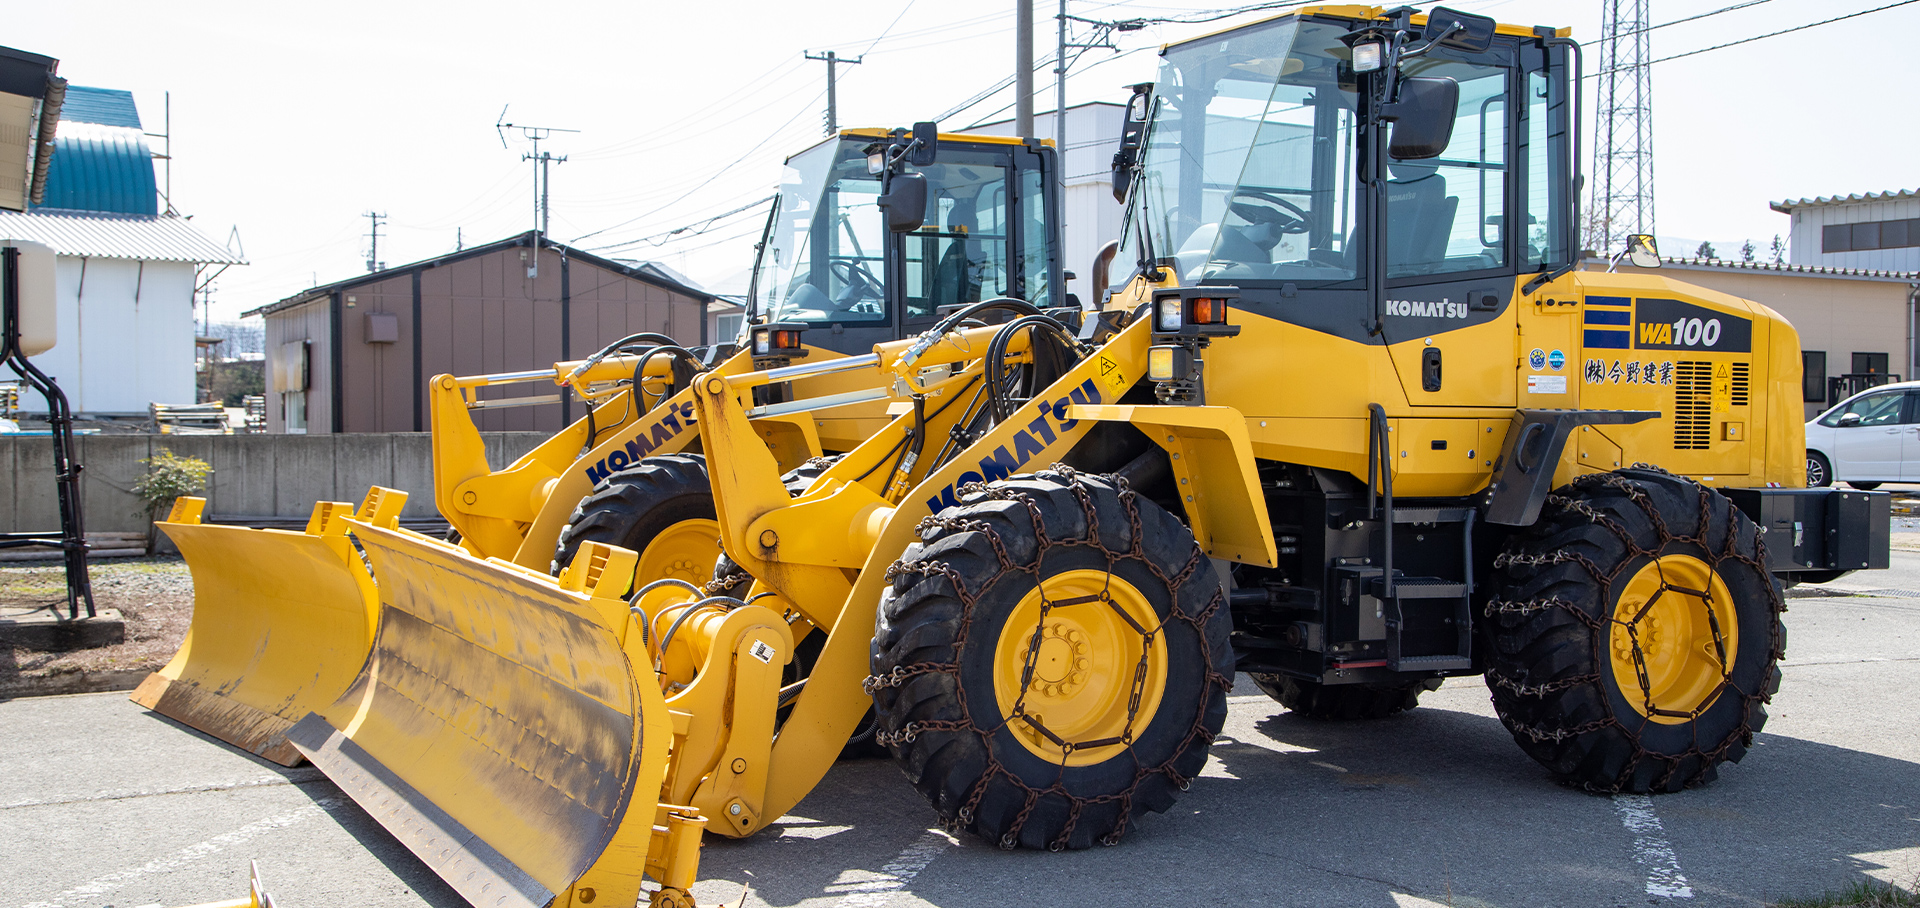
1449 241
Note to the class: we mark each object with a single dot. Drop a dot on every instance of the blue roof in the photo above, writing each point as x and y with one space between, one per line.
101 162
105 106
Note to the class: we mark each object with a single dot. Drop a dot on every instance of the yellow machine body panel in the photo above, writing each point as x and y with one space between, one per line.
497 728
281 624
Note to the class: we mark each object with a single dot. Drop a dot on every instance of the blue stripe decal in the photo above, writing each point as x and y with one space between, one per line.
1609 317
1609 340
1608 301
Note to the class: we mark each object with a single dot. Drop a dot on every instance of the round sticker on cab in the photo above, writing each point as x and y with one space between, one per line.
1556 360
1537 359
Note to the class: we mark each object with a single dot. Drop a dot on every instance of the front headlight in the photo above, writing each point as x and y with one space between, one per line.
1167 315
762 342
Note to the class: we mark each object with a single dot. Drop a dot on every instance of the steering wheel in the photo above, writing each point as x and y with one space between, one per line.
860 283
1286 216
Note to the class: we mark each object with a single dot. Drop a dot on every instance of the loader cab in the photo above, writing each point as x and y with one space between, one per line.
990 230
1272 164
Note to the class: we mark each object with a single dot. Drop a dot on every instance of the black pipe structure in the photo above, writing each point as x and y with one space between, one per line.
71 538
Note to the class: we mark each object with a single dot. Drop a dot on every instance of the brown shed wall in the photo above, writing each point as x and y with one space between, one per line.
480 315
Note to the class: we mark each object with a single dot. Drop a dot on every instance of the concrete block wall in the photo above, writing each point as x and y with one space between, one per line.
253 475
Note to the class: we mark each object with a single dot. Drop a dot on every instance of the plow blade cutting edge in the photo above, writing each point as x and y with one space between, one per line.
498 731
282 622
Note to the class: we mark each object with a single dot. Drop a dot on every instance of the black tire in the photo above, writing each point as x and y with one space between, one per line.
633 507
941 620
1558 592
1819 471
1343 702
1864 486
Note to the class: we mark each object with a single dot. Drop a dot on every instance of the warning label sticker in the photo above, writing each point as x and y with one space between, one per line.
1546 384
1112 377
761 651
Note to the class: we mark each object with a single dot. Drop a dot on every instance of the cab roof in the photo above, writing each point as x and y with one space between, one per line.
1356 12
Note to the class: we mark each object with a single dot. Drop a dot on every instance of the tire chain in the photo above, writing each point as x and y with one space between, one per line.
976 492
1601 626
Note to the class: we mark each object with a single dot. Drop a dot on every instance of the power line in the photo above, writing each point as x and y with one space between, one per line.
1784 31
736 161
694 229
1724 9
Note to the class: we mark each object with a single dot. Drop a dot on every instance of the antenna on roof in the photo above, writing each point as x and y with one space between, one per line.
540 161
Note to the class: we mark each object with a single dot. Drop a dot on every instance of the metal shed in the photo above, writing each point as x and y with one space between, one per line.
356 355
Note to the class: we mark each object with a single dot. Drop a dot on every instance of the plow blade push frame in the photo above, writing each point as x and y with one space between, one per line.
281 624
497 729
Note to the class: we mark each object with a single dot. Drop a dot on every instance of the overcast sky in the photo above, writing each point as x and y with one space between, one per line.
291 121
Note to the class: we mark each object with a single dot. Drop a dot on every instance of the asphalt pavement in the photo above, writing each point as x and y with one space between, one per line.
105 804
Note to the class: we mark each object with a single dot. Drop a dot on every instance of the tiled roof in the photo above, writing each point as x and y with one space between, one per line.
1789 205
116 236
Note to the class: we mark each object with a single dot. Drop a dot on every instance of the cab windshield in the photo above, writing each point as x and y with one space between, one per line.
985 235
1250 170
823 256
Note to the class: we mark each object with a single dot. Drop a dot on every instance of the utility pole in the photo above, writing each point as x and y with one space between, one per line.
1623 156
373 251
1060 95
833 106
1023 68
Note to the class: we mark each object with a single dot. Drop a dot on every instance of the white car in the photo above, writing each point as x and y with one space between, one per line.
1867 439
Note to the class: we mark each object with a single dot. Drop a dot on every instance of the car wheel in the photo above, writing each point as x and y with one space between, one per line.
1819 472
1864 486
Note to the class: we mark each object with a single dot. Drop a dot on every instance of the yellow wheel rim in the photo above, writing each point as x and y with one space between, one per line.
1084 676
684 551
1670 608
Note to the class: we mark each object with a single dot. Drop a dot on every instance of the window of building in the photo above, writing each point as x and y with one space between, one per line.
1870 235
1869 364
294 411
1813 375
727 327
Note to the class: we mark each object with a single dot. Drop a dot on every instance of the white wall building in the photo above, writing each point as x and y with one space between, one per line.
1877 231
1093 218
126 272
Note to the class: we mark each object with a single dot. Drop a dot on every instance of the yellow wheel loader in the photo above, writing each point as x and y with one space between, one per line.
284 620
1355 424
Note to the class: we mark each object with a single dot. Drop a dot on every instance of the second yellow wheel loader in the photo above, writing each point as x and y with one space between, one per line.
1355 424
284 620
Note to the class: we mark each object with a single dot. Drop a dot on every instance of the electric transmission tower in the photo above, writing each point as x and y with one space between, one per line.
1623 147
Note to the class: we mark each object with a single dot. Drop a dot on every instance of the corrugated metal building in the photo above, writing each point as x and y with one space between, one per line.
1875 231
126 274
356 355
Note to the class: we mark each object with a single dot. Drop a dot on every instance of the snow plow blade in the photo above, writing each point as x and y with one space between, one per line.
498 731
281 624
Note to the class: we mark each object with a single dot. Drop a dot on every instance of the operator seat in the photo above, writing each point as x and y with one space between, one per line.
1419 217
955 280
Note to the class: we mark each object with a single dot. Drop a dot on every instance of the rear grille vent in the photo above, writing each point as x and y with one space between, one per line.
1693 405
1739 384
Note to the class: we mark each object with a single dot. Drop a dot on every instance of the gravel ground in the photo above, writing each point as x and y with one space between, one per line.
153 595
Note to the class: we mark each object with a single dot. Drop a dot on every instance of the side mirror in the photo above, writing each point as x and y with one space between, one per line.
36 309
1641 251
927 133
1465 31
1422 118
1849 421
905 202
1133 134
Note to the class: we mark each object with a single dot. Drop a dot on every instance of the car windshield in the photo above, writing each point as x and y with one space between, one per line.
1249 171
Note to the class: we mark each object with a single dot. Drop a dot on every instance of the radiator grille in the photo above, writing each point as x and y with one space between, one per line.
1692 405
